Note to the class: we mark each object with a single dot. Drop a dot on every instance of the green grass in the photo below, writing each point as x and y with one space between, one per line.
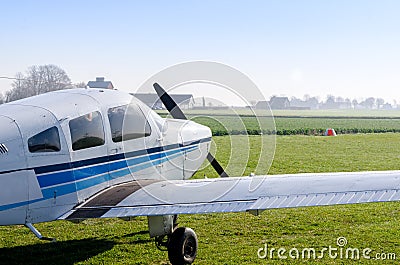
302 154
222 125
235 238
287 122
295 123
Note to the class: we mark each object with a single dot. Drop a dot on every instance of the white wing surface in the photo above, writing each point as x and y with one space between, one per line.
253 194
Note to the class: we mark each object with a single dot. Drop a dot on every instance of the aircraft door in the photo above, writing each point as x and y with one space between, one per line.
46 146
132 144
89 154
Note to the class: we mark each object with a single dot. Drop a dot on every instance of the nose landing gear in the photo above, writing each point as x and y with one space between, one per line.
182 246
180 242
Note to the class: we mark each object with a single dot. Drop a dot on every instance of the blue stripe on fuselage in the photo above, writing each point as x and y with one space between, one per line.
100 178
103 159
116 169
81 173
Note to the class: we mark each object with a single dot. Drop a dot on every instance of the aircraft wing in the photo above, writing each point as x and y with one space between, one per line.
252 194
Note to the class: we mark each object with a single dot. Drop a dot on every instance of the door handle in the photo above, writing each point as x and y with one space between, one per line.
114 150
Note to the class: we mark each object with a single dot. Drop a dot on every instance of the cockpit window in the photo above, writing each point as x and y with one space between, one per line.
46 141
128 122
87 131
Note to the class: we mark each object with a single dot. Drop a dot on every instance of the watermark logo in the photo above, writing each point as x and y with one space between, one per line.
341 241
339 251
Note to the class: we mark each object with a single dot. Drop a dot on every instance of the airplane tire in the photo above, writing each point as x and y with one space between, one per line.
182 246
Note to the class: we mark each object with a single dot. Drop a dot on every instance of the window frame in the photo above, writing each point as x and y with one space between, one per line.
44 151
124 137
83 117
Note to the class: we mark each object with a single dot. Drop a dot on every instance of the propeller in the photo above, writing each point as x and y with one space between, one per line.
177 113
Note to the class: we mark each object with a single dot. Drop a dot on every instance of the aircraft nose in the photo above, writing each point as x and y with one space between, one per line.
192 132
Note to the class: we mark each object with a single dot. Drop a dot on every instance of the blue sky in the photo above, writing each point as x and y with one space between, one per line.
346 48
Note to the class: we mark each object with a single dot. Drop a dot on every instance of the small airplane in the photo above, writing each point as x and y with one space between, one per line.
93 153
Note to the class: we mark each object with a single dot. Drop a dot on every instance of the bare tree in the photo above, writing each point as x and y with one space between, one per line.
313 102
380 102
355 103
330 99
339 99
37 80
368 103
1 98
79 85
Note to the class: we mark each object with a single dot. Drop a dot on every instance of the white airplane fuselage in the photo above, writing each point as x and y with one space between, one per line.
60 148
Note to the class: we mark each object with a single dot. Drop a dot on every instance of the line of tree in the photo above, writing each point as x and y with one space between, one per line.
38 79
333 102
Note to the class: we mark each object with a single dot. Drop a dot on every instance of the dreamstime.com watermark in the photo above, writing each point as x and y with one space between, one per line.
339 251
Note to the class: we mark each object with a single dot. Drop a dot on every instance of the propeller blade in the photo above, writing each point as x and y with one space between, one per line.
177 113
214 163
169 103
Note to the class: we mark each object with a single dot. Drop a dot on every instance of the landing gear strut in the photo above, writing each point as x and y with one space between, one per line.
38 234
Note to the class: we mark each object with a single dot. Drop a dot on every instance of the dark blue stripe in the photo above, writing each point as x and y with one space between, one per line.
204 140
98 180
71 187
102 178
99 160
79 174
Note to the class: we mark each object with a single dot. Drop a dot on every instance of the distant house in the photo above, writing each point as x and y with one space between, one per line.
150 99
100 83
262 105
387 106
298 104
185 101
279 103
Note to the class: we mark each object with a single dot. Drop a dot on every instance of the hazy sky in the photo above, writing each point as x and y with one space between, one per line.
346 48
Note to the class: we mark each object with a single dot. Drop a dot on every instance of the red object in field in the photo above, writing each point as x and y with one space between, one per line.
330 132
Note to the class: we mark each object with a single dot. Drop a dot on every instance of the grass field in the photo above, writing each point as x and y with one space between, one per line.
288 122
236 238
298 125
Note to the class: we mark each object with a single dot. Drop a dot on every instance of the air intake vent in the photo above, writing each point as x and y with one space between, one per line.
3 149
